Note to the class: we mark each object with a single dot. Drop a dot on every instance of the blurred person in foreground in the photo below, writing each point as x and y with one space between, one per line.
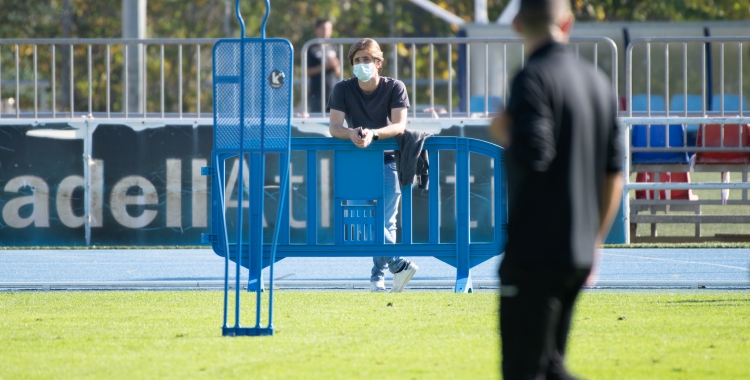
563 160
374 108
316 60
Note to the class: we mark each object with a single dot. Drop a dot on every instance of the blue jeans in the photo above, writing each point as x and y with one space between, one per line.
392 196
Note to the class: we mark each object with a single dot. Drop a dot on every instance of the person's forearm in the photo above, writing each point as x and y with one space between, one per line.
339 131
610 202
390 131
314 70
607 210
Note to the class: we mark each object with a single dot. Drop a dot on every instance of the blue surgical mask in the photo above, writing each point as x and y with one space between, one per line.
364 71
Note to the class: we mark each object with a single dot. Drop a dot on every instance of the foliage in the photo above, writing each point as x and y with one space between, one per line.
289 19
663 10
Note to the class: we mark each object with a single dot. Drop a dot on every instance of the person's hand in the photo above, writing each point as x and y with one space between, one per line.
361 137
500 129
368 137
594 274
593 277
354 135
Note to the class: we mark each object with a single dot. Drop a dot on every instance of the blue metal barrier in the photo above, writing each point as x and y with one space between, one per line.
358 178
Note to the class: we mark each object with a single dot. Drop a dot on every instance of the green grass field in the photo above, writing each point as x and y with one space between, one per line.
346 335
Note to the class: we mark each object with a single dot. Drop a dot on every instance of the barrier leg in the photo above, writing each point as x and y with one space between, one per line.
463 276
463 263
617 231
255 264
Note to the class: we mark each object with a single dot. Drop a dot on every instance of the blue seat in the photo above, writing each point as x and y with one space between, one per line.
494 104
657 135
694 104
731 103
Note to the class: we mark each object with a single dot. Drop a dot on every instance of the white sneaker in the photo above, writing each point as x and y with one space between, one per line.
402 278
377 286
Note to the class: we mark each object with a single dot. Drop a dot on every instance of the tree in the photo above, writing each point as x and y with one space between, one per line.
663 10
291 19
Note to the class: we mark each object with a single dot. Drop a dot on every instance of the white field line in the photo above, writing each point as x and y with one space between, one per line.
340 284
678 261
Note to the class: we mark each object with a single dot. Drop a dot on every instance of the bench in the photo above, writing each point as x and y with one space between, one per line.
659 153
650 165
720 160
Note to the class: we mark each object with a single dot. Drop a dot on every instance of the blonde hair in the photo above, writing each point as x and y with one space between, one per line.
369 45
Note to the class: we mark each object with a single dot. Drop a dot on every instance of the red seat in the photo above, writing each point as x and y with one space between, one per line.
676 177
731 140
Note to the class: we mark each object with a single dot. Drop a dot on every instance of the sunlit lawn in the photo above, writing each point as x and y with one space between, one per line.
346 335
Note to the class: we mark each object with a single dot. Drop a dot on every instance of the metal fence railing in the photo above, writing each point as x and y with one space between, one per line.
688 82
106 77
170 78
686 102
704 107
498 57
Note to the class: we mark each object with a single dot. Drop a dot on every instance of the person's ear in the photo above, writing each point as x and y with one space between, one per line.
517 25
567 25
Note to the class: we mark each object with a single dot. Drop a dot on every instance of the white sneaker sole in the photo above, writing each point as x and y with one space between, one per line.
410 271
375 289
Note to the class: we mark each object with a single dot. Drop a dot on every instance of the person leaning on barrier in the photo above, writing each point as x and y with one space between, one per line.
563 165
315 63
374 108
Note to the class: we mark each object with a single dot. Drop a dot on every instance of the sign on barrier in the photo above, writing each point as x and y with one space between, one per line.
144 186
167 161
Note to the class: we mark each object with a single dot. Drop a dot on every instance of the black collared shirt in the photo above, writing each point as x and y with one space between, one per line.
564 141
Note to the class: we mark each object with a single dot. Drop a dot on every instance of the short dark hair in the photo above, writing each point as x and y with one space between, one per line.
537 16
320 22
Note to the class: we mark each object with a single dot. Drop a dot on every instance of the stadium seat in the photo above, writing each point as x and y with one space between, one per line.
675 177
731 139
731 135
694 104
657 136
494 104
734 136
731 103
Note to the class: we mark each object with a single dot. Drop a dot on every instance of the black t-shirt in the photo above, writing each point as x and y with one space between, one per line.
371 111
314 58
564 141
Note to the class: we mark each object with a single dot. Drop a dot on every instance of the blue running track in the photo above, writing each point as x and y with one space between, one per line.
199 268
